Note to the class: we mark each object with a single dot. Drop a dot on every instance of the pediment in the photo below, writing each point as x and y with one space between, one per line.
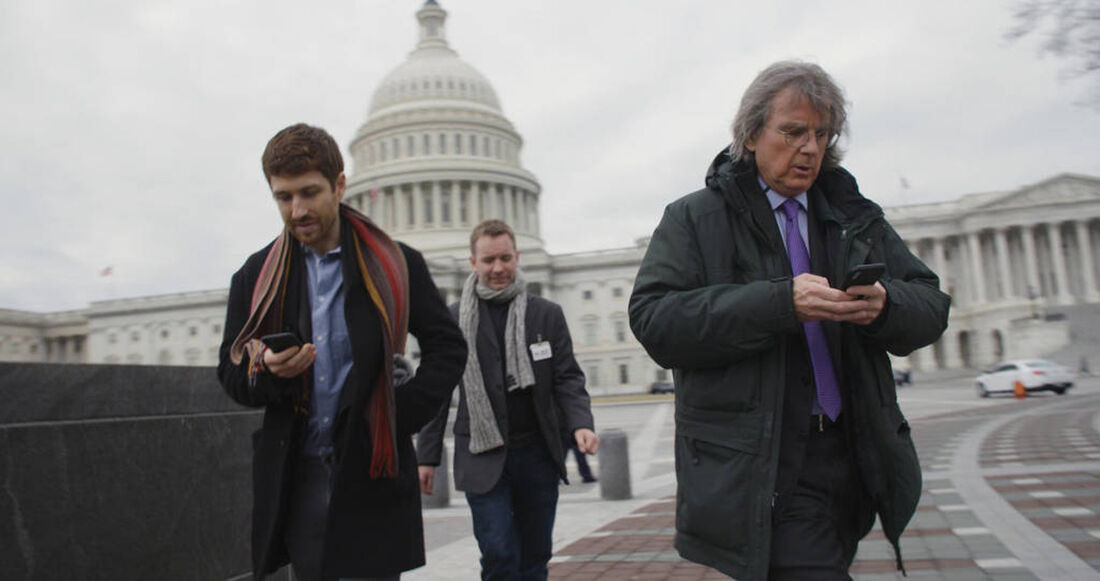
1060 189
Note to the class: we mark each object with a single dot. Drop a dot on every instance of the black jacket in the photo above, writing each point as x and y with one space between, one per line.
375 526
713 301
559 389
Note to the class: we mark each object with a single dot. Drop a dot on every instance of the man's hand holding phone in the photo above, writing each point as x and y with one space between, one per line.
861 300
862 283
286 356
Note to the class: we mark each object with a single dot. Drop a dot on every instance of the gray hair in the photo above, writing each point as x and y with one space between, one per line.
807 79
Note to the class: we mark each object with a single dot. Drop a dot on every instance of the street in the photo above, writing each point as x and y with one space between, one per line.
1011 491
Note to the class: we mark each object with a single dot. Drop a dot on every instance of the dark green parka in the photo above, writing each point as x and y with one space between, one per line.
713 301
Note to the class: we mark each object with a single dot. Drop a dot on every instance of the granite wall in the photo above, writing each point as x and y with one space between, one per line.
122 472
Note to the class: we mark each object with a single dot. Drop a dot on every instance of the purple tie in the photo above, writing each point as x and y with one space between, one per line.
828 395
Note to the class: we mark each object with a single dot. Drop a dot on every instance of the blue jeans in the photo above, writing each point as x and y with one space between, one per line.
514 521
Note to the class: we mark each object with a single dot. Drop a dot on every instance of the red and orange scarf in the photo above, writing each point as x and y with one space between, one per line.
385 275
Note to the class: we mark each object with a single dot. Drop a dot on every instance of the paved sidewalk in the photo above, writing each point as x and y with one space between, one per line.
1011 491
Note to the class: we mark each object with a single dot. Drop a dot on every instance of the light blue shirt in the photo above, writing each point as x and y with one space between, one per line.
776 201
325 281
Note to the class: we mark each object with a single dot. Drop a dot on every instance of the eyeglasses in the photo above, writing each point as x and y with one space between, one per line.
799 136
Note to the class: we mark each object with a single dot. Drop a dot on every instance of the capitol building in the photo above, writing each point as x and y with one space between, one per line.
436 156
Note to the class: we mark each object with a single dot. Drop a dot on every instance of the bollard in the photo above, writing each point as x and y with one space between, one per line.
1020 391
614 459
441 487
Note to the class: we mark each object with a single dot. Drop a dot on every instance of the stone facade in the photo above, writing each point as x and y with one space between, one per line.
436 155
1005 258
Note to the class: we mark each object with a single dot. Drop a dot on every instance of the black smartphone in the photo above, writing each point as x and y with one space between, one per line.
281 341
863 275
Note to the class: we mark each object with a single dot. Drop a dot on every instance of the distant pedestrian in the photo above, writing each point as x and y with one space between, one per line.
581 458
521 389
788 434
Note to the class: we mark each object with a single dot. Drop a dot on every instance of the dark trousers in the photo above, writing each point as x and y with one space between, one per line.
310 494
816 526
514 521
570 444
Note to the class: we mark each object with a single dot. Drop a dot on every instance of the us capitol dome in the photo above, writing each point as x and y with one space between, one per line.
436 155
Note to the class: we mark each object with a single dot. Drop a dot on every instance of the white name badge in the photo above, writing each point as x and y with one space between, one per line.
540 351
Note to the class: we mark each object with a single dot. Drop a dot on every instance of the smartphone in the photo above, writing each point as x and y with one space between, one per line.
281 341
863 275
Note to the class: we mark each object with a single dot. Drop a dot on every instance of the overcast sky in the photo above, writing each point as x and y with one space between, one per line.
132 130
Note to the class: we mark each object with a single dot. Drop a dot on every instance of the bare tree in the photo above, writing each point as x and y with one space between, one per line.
1070 30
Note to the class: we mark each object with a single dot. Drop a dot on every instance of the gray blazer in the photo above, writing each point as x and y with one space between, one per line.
561 402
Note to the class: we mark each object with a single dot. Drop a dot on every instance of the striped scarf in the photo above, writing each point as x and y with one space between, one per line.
385 276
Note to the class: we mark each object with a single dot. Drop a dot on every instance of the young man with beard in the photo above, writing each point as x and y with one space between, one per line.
334 474
521 383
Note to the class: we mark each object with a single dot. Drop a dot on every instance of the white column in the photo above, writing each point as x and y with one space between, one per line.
1059 263
379 207
508 201
1084 244
535 214
1000 238
437 204
521 220
1027 236
417 207
974 242
401 209
473 198
949 347
939 259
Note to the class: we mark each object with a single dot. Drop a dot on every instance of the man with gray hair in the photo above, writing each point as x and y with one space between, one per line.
774 294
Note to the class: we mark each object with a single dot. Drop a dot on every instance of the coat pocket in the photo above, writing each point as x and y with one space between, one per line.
718 474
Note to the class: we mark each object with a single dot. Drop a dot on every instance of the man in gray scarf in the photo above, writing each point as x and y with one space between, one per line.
521 389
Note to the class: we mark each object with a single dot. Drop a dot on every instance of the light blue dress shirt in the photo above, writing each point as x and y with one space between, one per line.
330 336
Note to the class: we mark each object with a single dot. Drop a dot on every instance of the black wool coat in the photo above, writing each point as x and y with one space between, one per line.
374 526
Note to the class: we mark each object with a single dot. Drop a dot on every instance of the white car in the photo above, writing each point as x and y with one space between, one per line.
1035 374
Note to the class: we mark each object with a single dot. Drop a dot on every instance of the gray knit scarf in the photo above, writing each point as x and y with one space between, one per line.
484 432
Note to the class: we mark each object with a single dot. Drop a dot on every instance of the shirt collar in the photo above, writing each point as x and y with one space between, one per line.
334 253
776 199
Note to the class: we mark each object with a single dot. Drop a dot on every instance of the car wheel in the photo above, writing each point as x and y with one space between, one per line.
982 391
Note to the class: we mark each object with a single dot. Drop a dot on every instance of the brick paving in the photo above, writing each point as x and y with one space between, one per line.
945 540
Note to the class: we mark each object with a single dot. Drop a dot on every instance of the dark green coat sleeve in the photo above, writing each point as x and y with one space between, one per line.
689 316
916 310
